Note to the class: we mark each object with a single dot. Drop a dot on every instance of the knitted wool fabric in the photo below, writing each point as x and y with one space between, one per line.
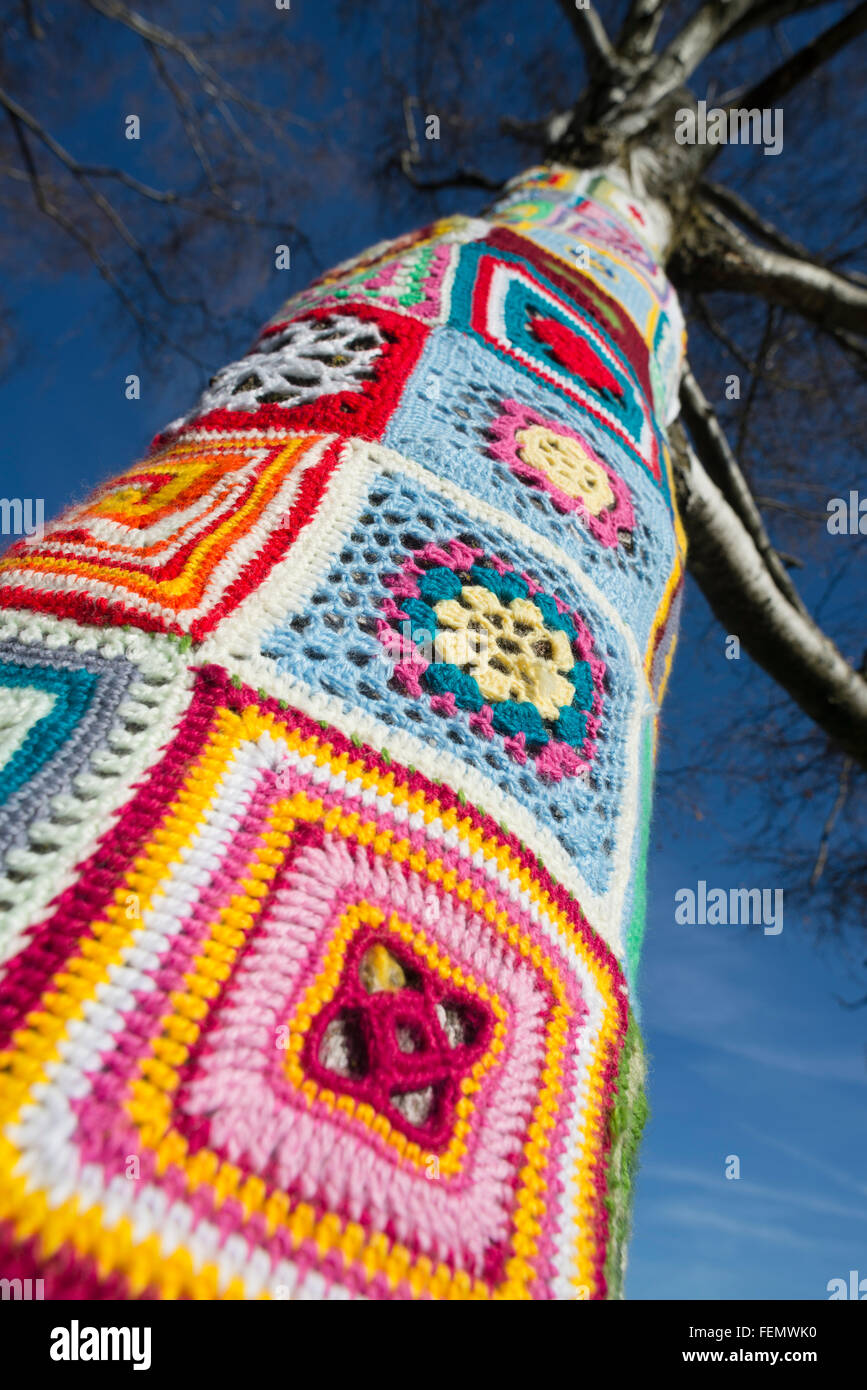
327 738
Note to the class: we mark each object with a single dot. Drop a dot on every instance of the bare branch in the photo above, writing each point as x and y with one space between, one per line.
34 28
828 828
49 208
460 178
533 132
709 439
715 254
735 350
640 28
771 89
21 118
187 115
854 349
767 13
599 52
738 585
730 202
222 93
706 28
746 410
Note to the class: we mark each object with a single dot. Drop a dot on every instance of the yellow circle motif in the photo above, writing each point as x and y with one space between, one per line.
508 650
567 464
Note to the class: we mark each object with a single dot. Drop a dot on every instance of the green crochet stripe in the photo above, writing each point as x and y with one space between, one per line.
628 1118
635 930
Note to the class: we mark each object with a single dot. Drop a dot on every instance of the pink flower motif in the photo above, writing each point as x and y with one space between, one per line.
436 555
463 556
556 759
408 673
402 585
604 524
391 610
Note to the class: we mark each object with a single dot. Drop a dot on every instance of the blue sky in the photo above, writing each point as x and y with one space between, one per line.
751 1055
751 1051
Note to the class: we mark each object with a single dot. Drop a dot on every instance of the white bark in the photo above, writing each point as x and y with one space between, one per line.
780 638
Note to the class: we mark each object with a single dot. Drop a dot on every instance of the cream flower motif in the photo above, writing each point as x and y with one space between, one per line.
511 653
566 463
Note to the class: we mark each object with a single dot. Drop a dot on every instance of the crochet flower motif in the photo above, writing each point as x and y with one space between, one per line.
561 463
518 658
398 1037
478 637
295 364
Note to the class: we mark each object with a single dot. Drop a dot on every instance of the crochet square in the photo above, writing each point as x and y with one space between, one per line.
339 367
461 415
586 292
594 210
82 713
176 1119
526 319
614 256
544 733
178 540
411 275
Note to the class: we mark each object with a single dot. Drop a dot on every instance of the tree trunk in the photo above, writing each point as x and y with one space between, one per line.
331 788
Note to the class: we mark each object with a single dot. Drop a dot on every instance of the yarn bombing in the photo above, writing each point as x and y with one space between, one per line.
327 744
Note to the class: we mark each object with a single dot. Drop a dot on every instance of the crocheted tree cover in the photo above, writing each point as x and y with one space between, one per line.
328 735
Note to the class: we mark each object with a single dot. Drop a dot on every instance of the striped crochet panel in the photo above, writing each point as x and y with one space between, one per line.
327 737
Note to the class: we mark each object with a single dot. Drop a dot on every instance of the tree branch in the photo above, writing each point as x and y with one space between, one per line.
730 202
738 585
48 207
588 28
710 441
676 64
715 254
460 178
771 89
735 350
767 13
640 28
827 831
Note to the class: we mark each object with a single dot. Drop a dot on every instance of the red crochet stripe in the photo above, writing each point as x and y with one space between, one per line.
105 612
363 414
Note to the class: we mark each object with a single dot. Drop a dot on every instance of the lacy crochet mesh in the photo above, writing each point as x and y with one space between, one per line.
295 364
458 406
334 644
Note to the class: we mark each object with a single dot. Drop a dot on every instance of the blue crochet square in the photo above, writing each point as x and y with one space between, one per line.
333 642
445 421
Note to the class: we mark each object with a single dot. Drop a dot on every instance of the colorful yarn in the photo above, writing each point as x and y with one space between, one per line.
326 741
